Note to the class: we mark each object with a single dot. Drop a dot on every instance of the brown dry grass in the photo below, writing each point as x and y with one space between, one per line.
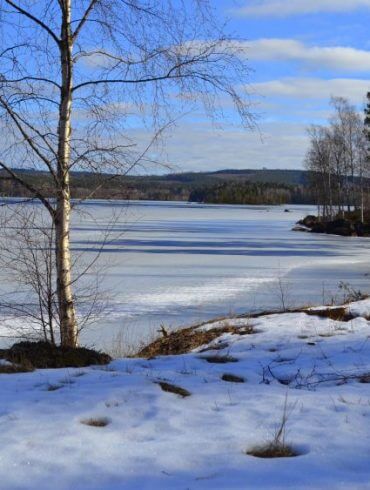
339 313
190 338
187 339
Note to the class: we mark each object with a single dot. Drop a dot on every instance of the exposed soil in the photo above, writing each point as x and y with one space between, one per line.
171 388
219 359
96 422
40 355
232 378
273 450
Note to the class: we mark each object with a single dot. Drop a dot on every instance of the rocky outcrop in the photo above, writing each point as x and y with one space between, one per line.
309 221
340 226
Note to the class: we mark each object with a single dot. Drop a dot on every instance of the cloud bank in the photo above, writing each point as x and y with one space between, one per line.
338 58
314 88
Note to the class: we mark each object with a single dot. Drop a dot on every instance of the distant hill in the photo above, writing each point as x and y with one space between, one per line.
274 176
249 186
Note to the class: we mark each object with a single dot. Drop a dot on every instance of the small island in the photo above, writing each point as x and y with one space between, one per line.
349 225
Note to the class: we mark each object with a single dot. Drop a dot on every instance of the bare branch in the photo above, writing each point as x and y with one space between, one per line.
24 79
37 21
84 18
14 116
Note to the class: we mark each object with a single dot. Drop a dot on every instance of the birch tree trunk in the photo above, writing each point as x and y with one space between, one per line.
148 58
68 324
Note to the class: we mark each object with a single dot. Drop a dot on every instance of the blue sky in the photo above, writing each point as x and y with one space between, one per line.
301 53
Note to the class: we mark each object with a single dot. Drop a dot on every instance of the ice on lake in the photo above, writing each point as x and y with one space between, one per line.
178 263
175 263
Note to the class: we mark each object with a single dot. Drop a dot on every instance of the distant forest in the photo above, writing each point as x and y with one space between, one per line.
223 187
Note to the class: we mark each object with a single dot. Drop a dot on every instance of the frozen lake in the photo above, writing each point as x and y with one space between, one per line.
177 263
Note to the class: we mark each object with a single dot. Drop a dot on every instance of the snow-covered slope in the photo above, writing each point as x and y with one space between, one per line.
158 440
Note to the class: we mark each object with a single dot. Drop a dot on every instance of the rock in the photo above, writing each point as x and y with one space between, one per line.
309 221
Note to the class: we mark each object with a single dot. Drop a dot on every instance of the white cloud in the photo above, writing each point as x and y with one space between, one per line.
283 8
198 146
314 88
336 57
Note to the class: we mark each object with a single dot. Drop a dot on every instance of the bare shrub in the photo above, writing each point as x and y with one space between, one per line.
277 447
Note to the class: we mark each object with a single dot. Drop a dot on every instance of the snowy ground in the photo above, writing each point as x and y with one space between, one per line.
158 440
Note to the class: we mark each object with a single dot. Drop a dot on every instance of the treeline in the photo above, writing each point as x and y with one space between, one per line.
226 186
251 193
339 163
104 186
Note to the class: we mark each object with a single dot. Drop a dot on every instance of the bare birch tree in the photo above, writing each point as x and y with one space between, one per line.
337 159
75 78
28 275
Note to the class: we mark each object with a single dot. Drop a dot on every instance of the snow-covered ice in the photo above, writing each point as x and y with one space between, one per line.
158 440
174 263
